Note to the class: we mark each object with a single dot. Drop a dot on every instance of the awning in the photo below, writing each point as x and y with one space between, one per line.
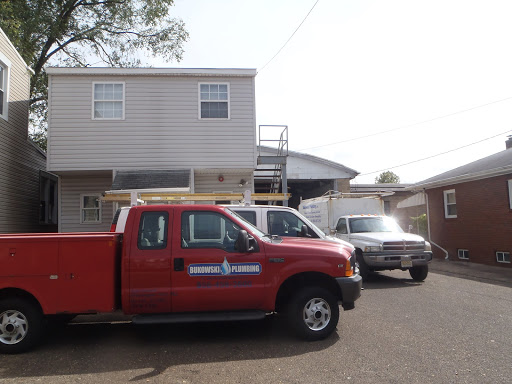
152 180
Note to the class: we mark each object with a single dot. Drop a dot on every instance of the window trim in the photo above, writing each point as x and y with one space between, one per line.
510 194
6 64
503 254
463 251
98 196
93 101
199 100
445 203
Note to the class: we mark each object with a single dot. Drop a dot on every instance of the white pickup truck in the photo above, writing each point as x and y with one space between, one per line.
379 241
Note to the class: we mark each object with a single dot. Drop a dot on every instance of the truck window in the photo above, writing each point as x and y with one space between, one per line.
208 230
250 216
153 230
286 224
341 227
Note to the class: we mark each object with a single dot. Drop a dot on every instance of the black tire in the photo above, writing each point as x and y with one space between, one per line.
419 273
313 313
21 324
364 271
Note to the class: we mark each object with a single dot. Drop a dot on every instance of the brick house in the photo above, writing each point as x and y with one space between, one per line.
470 210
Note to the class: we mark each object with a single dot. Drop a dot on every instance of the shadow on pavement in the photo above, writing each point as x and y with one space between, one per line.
379 281
80 349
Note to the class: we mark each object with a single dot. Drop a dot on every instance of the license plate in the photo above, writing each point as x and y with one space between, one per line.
406 263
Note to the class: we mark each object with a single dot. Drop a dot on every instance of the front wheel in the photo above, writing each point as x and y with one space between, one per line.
20 325
419 273
313 313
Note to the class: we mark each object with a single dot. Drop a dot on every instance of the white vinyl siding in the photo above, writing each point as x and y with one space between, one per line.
108 101
214 101
161 129
450 204
72 188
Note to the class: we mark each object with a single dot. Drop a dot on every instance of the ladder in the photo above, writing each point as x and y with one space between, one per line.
276 171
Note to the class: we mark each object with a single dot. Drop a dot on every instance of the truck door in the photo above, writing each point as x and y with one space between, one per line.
150 262
342 229
209 274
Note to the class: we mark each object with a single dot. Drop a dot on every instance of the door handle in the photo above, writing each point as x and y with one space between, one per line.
179 264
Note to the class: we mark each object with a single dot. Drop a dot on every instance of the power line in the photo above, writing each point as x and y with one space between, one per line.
407 126
314 5
439 154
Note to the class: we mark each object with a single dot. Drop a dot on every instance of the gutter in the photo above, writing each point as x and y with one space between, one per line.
428 227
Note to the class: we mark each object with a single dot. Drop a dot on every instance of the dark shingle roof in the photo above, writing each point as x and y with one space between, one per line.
151 179
498 164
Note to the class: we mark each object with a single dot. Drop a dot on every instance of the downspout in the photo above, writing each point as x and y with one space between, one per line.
428 227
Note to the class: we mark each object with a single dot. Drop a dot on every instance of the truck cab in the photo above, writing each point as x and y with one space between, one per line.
382 245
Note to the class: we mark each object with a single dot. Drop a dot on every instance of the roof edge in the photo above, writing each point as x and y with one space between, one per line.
462 179
151 71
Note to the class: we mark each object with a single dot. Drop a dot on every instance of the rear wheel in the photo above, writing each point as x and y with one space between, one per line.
419 273
313 313
20 325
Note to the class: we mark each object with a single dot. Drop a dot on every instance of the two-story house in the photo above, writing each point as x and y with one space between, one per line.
27 193
147 129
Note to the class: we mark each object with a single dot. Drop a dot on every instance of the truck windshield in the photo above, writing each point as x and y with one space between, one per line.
373 224
249 225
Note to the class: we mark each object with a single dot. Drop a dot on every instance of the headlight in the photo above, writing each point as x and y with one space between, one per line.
372 249
428 247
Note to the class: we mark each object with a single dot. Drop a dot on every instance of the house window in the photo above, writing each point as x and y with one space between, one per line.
503 257
450 206
4 81
90 208
214 101
108 100
510 194
463 254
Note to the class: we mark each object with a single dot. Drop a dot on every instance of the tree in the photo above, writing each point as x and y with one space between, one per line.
75 33
387 177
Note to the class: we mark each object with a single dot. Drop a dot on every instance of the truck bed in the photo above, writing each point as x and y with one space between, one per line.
66 273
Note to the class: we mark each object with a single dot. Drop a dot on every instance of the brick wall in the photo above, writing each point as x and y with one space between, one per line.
483 224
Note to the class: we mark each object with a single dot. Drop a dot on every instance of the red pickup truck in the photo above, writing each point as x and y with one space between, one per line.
173 263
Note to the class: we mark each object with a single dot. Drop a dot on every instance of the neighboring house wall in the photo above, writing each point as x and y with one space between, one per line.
20 159
483 222
72 189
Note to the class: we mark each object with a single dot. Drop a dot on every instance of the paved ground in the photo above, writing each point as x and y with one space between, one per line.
473 271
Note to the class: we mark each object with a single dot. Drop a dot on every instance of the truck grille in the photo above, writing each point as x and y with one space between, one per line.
404 246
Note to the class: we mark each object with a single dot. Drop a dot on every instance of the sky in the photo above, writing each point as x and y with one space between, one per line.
369 84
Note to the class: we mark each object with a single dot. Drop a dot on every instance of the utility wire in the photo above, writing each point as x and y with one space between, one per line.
314 5
407 126
439 154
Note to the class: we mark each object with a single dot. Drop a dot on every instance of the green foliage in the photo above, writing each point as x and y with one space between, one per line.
387 177
78 33
420 225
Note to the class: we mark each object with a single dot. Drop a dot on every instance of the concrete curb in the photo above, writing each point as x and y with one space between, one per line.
464 269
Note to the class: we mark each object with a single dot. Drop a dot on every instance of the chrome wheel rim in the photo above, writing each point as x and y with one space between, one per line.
13 327
316 314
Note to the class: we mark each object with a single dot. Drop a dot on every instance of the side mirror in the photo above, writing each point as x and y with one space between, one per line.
304 231
244 243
